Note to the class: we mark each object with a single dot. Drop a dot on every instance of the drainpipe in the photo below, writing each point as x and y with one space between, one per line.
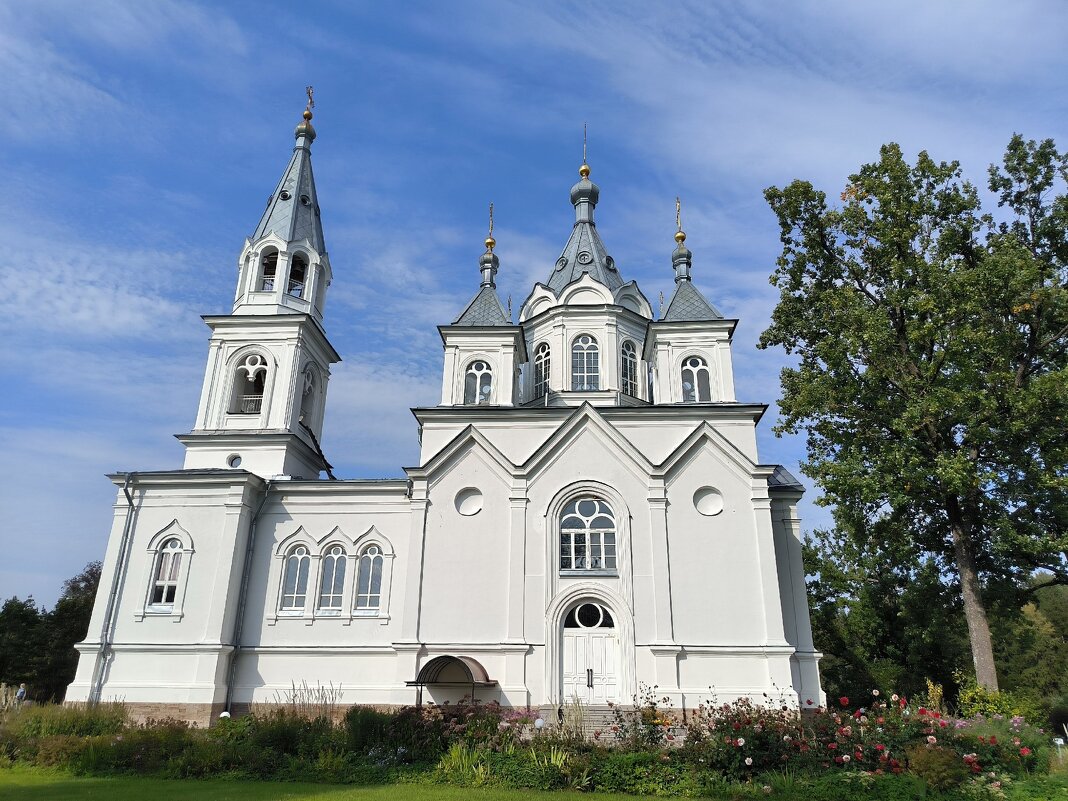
96 688
239 623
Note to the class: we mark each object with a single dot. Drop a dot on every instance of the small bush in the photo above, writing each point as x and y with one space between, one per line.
940 768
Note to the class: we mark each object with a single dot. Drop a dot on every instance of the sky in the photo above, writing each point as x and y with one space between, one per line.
142 140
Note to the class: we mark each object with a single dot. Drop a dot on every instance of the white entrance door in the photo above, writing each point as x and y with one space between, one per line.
591 655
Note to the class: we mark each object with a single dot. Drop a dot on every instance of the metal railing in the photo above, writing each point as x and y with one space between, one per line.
250 404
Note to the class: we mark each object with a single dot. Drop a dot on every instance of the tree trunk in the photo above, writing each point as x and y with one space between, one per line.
974 610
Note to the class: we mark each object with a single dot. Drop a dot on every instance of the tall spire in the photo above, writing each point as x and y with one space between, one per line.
681 258
485 308
292 211
584 251
489 262
687 304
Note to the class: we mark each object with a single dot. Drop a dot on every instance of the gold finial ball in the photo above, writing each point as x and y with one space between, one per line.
307 114
490 243
680 236
584 170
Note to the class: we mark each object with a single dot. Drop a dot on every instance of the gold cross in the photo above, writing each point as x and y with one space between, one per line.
310 91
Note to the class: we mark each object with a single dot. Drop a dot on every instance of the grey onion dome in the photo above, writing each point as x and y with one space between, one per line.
585 189
489 259
305 128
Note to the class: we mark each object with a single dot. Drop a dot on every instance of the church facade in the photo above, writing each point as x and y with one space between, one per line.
589 513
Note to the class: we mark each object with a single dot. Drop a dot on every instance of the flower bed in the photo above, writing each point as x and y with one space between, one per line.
883 748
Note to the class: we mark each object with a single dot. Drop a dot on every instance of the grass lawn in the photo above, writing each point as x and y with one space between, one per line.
34 784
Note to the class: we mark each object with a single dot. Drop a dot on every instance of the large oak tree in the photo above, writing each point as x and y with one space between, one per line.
932 377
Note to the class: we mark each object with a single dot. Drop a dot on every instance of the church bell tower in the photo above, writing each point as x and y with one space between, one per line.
264 394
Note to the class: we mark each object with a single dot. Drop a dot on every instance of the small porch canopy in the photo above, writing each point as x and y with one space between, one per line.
451 671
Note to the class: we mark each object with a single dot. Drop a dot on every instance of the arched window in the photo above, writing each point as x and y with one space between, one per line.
541 370
478 382
695 381
250 378
587 536
369 580
585 364
268 271
628 368
295 579
298 270
307 396
168 568
332 581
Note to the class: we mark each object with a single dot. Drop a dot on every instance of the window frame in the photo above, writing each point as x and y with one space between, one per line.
593 349
702 370
541 369
602 509
377 559
633 361
261 270
340 558
291 553
482 397
239 370
154 553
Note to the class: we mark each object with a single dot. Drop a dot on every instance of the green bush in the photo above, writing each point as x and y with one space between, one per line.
940 768
643 773
290 734
82 720
974 700
366 727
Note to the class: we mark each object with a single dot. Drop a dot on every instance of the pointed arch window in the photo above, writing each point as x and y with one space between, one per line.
332 580
585 364
369 580
541 370
250 379
696 384
295 579
309 385
298 272
268 271
168 568
587 536
628 368
478 382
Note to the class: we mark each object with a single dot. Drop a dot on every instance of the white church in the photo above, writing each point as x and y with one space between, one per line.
589 513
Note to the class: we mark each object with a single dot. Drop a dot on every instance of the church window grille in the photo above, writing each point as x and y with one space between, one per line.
587 536
295 579
268 271
369 580
629 368
541 370
696 386
585 364
249 381
589 616
298 270
168 567
332 582
478 382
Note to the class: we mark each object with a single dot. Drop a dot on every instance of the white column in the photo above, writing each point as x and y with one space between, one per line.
517 550
767 573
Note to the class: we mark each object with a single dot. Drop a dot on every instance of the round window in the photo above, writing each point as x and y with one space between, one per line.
234 460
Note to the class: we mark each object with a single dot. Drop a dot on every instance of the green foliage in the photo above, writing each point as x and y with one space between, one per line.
366 727
940 768
932 374
79 720
973 700
37 646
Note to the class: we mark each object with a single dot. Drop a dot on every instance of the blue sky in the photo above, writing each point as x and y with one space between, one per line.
142 140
